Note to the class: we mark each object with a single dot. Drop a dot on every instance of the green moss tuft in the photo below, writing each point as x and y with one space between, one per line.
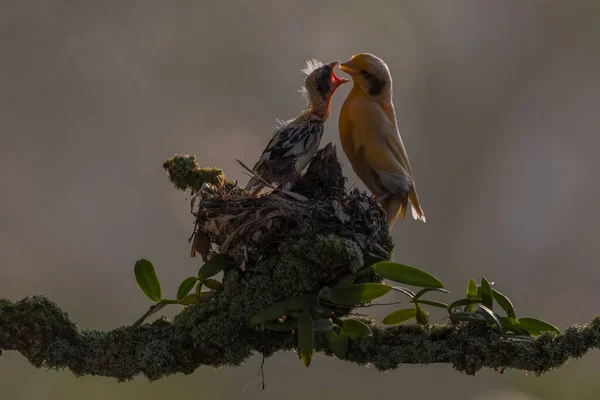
184 173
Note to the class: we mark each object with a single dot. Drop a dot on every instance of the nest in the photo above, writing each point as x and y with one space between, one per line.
249 229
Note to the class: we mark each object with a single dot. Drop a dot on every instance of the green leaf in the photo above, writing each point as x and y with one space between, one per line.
472 289
487 298
347 280
467 316
216 264
147 280
505 303
491 316
400 316
471 294
422 315
185 287
358 293
431 303
512 325
423 291
356 329
270 313
306 336
285 326
407 275
322 325
535 326
338 344
205 297
308 300
189 300
213 284
463 302
406 291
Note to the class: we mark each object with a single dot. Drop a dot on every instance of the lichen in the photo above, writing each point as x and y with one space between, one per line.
185 173
283 248
205 335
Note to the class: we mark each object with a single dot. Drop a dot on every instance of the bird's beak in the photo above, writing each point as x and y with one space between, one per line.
348 67
335 80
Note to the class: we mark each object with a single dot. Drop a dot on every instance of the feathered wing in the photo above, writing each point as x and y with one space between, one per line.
394 140
373 145
289 151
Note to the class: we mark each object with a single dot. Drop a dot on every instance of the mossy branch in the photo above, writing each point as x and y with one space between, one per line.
45 335
282 248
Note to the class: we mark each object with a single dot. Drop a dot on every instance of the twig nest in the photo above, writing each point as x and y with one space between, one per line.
251 229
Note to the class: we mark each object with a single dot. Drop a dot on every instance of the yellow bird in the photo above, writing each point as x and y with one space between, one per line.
371 140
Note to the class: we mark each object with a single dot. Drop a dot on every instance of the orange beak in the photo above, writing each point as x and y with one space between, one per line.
348 67
335 80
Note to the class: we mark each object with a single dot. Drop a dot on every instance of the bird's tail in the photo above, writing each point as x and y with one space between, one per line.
395 207
417 211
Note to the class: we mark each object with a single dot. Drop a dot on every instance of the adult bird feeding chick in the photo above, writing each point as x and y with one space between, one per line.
295 143
371 140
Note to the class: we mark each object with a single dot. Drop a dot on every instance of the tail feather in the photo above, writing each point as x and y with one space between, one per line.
417 211
395 207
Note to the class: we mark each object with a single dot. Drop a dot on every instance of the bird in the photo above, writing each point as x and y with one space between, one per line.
295 142
371 140
323 177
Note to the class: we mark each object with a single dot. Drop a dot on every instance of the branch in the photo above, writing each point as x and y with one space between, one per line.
282 249
45 335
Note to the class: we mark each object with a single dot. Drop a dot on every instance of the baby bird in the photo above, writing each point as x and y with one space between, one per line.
295 143
371 140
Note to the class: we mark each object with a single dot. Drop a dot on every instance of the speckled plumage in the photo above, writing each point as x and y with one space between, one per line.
295 142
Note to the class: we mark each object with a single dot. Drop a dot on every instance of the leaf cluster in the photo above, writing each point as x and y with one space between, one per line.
312 313
148 282
321 313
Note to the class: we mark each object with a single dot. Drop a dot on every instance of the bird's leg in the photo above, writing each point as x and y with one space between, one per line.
382 197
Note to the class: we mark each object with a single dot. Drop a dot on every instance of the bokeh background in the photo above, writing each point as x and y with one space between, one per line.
498 105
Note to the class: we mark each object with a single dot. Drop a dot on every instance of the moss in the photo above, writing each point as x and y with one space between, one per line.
331 251
289 273
207 334
289 254
35 323
184 173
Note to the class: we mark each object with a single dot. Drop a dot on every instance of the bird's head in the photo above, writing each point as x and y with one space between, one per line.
321 83
371 74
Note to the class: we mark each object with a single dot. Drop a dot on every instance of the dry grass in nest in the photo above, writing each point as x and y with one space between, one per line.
250 228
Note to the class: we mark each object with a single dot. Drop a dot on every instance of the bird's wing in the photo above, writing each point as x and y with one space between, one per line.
371 141
393 138
291 141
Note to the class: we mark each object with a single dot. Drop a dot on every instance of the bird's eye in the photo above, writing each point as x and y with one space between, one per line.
364 73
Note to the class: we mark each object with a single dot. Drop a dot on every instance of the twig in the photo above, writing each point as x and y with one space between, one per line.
381 304
153 309
296 196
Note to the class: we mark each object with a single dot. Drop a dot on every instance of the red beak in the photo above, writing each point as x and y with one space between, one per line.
335 80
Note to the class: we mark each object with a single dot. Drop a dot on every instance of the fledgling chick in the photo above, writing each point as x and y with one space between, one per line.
295 143
371 140
324 176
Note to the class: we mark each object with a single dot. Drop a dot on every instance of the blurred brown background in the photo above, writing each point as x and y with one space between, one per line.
498 104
